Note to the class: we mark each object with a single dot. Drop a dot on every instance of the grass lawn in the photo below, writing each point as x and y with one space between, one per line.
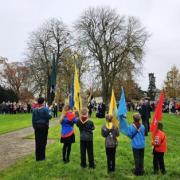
12 122
54 168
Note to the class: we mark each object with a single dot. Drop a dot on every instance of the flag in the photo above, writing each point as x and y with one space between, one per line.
121 113
71 100
157 114
113 109
77 97
122 109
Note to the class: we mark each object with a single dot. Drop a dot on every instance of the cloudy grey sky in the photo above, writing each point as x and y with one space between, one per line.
161 18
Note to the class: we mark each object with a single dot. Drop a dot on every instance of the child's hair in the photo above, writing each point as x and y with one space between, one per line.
65 109
84 111
109 117
40 100
160 126
136 117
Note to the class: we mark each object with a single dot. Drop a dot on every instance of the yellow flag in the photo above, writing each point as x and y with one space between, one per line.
77 96
113 109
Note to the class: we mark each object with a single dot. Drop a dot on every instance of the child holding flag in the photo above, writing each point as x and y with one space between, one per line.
158 137
67 120
160 146
136 131
110 132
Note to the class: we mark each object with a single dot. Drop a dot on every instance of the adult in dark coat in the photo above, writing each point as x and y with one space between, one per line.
145 112
40 121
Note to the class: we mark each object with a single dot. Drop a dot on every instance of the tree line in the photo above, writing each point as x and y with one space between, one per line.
106 47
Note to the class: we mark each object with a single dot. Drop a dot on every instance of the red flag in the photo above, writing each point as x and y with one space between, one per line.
157 115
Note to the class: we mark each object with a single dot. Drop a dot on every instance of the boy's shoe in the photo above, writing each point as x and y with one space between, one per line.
155 172
92 167
83 166
163 172
66 161
141 173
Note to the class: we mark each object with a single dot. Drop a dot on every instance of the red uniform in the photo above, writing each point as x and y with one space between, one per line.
160 142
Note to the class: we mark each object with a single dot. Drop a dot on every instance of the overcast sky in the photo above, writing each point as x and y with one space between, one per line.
161 18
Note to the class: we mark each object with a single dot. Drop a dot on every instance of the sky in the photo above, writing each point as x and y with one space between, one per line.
18 18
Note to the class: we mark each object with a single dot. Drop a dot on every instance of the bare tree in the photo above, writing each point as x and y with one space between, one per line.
15 76
115 43
172 83
51 38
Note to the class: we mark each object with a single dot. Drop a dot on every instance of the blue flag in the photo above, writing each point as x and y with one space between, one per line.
121 113
71 101
122 109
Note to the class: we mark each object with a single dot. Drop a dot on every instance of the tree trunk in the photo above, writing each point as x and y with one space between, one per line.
105 92
49 90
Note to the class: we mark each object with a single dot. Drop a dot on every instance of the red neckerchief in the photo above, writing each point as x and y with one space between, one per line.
137 125
39 106
84 118
70 115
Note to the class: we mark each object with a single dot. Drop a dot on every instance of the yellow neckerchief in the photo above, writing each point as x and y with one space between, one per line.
109 125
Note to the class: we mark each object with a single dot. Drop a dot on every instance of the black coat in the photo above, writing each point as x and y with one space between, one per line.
86 130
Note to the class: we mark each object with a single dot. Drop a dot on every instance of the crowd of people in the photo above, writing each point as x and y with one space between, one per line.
144 107
22 107
13 107
135 131
172 107
41 114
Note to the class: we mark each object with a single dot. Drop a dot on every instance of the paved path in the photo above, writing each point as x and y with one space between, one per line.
14 146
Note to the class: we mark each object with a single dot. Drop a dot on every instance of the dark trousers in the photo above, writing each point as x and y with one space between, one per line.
146 125
139 161
158 162
66 151
41 133
55 114
110 153
87 146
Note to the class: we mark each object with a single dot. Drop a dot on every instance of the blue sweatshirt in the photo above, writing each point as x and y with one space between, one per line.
137 136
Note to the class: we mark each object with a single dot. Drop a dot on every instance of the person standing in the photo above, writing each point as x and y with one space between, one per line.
110 132
160 147
136 132
86 128
40 122
67 121
55 110
144 111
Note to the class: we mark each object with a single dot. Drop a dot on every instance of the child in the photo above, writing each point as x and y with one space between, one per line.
136 132
160 147
86 128
110 133
67 120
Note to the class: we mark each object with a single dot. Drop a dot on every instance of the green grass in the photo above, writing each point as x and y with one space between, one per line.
9 122
54 168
